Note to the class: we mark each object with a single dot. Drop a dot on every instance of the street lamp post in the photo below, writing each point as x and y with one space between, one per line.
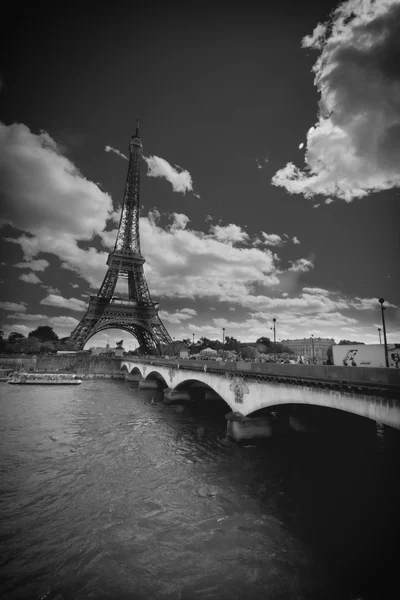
312 344
223 337
274 320
381 301
193 338
379 331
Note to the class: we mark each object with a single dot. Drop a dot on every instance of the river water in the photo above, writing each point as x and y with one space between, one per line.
106 495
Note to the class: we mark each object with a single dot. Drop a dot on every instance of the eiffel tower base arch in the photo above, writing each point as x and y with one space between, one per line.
142 322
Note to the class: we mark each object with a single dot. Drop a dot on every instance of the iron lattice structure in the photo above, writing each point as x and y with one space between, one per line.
138 314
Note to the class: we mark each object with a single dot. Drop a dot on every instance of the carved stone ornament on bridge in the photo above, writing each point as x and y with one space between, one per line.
239 388
171 374
144 370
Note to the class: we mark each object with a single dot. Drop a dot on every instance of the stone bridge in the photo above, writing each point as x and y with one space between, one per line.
250 387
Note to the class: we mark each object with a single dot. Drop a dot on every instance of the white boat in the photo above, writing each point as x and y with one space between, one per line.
45 379
5 374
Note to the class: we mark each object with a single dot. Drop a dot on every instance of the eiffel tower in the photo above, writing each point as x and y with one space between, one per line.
138 314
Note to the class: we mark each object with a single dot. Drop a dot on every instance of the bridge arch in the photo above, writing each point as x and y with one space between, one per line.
157 376
205 391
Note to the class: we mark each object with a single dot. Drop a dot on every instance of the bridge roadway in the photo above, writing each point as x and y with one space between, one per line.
246 387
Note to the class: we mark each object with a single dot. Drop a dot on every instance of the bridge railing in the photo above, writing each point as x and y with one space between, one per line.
363 376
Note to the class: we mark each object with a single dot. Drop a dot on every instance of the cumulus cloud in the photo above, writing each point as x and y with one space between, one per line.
177 317
35 265
179 221
181 181
25 317
42 189
60 302
295 240
369 304
189 311
301 265
111 149
29 278
229 233
19 307
315 290
189 263
354 148
272 239
45 196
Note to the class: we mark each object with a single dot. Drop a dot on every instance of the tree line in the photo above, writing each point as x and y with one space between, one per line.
42 340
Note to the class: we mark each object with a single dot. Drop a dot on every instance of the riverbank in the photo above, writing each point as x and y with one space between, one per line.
79 365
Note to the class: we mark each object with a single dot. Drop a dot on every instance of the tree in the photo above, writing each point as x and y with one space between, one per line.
263 344
250 352
349 343
232 343
44 333
15 337
31 345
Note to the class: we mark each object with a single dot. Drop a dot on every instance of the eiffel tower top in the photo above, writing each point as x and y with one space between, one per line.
136 141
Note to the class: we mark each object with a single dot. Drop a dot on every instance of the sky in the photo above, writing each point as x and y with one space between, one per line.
270 180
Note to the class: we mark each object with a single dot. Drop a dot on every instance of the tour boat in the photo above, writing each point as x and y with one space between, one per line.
5 374
46 379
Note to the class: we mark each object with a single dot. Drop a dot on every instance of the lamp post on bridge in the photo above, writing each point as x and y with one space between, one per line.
223 338
381 301
312 344
193 338
379 331
274 320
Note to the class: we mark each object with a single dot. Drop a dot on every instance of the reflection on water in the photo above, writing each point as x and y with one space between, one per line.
108 493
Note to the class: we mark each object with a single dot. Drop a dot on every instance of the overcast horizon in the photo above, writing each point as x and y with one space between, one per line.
270 175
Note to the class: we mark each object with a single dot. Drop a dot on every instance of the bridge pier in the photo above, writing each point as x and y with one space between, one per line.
149 384
171 395
133 377
241 428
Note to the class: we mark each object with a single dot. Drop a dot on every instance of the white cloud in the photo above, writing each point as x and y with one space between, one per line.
43 190
369 304
13 306
301 265
229 233
177 317
189 311
272 239
51 290
295 240
181 181
74 285
62 322
29 278
25 317
188 263
315 290
110 149
35 265
179 221
354 148
60 302
46 196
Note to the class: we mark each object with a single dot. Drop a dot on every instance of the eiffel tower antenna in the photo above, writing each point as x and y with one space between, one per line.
138 314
